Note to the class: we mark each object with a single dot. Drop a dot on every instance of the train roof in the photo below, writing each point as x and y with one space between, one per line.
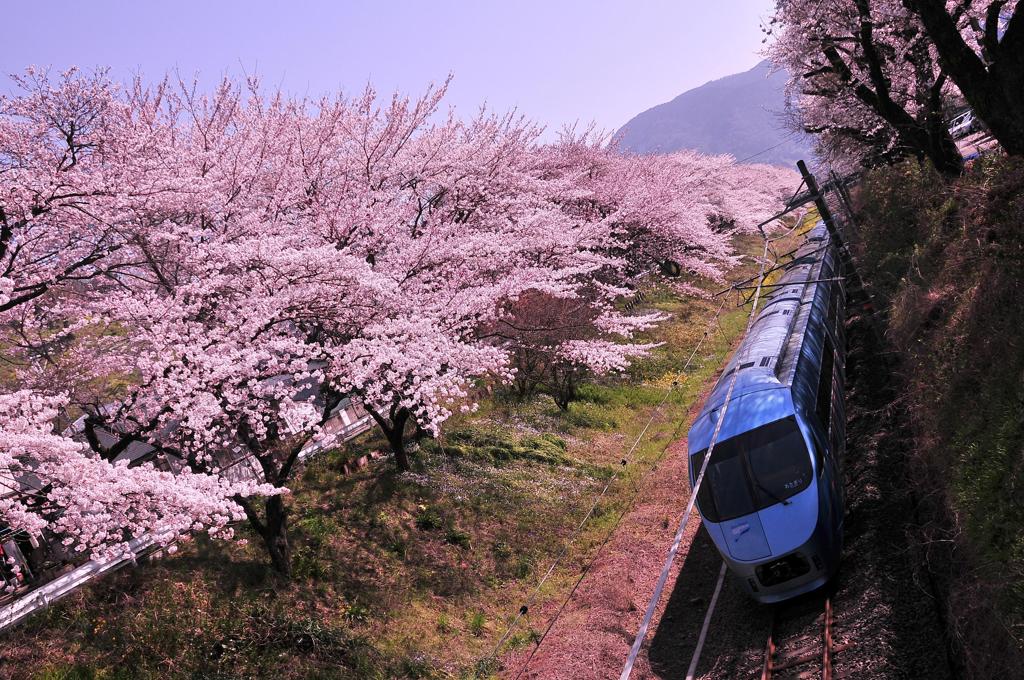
768 355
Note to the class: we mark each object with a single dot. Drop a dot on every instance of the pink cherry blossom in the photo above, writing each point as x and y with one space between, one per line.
210 275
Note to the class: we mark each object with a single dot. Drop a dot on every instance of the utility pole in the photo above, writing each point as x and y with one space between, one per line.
845 255
823 209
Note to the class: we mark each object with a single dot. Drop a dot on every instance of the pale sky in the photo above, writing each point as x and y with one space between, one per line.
556 61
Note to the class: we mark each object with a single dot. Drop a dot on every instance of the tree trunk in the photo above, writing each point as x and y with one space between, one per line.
941 150
565 393
422 433
524 386
396 438
273 529
995 91
397 442
275 536
394 431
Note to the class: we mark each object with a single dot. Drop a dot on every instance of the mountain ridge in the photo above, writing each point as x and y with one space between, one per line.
739 114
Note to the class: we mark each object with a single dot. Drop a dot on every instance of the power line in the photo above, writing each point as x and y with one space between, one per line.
576 532
626 508
763 151
641 635
695 659
523 610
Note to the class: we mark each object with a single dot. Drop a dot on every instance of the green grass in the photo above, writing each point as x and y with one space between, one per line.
414 575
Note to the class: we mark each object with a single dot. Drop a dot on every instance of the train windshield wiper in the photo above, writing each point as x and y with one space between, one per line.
767 492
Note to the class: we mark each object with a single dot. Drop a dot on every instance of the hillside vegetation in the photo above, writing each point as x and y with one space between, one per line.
945 261
414 574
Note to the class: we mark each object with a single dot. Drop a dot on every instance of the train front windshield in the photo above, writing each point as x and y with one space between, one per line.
753 470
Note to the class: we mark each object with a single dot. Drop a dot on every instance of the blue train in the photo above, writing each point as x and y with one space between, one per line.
772 495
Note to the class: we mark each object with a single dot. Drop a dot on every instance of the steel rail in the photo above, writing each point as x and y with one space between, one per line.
691 672
774 661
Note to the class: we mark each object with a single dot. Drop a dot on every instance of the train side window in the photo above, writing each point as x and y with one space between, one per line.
838 426
838 312
824 400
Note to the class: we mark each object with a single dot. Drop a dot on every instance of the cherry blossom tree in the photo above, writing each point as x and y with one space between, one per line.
227 345
82 169
250 260
494 218
52 487
463 219
557 343
865 72
230 381
680 209
79 158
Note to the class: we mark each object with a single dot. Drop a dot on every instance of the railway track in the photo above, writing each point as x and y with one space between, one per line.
807 656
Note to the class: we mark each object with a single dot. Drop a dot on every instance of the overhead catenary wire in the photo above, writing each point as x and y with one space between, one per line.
695 659
625 509
524 609
767 149
641 635
590 563
715 321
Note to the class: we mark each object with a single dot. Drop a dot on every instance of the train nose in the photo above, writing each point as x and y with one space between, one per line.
745 538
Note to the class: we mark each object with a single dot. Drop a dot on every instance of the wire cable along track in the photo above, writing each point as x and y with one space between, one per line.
795 648
803 657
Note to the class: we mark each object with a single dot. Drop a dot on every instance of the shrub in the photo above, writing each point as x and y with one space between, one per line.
477 622
457 537
428 518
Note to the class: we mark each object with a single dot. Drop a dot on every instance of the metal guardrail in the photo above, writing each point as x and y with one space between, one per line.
43 596
40 598
346 433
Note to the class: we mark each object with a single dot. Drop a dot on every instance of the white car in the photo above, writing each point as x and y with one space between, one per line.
963 125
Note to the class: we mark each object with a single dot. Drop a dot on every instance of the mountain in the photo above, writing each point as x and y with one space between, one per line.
740 115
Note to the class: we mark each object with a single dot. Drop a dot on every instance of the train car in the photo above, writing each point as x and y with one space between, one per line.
772 494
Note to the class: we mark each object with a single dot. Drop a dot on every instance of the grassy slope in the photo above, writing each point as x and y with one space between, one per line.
411 575
947 262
